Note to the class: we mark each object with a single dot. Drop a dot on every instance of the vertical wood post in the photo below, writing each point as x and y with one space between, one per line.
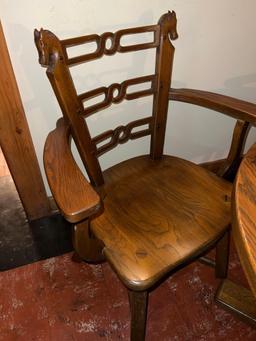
164 60
16 141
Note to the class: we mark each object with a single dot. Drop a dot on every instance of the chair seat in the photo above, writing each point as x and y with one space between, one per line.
158 214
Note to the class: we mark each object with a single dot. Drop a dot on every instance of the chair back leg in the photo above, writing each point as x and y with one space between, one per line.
222 256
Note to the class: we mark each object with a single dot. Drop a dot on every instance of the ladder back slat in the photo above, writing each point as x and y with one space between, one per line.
122 134
121 93
116 46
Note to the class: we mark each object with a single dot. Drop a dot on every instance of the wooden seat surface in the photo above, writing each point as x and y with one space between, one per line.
157 214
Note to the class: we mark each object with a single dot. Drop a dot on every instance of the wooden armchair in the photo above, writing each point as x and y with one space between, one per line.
153 214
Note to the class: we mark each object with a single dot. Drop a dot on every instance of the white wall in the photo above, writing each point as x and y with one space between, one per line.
216 51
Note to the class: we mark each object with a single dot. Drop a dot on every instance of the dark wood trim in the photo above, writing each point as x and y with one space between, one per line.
16 142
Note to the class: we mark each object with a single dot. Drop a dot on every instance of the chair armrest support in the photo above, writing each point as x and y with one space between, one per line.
229 169
236 108
74 195
243 111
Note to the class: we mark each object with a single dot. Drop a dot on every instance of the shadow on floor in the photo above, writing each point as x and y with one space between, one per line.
22 242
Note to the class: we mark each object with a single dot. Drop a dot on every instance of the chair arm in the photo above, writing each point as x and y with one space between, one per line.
74 195
233 107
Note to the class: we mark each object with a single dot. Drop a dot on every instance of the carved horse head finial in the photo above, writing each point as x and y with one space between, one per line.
49 48
169 21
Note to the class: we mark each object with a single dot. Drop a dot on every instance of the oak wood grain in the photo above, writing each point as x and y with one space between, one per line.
158 214
73 194
244 215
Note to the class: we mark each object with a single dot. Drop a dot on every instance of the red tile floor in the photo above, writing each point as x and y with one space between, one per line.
59 300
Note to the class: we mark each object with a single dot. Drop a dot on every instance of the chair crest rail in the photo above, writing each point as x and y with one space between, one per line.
115 39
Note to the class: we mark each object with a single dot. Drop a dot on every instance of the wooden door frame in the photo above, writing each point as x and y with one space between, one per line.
16 142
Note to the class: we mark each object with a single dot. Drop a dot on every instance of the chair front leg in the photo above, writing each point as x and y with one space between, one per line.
138 306
222 256
87 247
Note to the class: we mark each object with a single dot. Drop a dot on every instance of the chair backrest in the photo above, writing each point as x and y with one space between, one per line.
53 54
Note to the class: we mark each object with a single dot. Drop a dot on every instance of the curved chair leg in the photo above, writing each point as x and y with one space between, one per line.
222 256
138 305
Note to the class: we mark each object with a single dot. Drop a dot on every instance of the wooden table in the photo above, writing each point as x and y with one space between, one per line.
234 297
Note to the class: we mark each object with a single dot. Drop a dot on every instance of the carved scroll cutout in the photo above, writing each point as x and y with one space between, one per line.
116 92
116 46
81 49
122 134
